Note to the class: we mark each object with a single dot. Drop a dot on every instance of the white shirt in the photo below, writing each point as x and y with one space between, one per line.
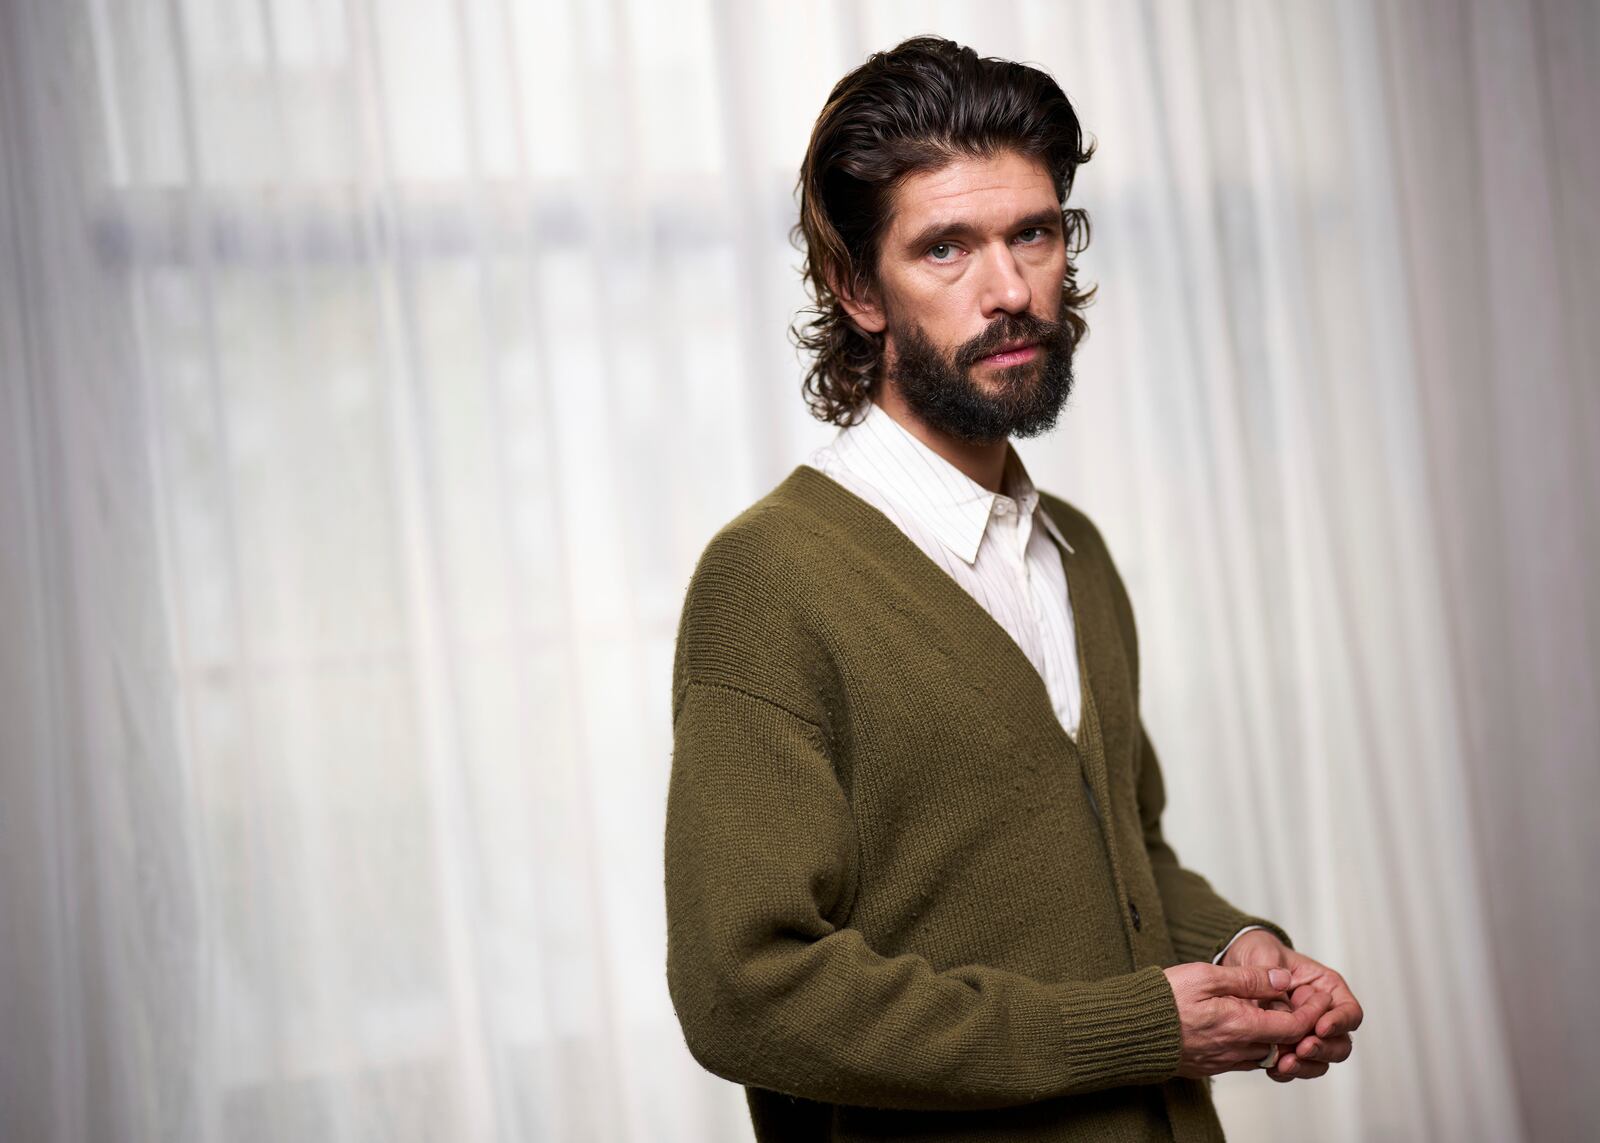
991 543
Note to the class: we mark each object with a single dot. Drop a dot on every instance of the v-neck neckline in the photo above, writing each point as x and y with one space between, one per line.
913 557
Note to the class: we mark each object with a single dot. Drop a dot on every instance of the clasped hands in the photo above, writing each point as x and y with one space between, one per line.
1262 994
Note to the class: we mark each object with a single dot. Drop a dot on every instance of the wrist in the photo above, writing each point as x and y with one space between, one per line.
1252 947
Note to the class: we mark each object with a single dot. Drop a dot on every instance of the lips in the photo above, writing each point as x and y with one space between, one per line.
1016 352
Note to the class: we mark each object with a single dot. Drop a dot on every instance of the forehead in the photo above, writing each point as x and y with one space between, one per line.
984 192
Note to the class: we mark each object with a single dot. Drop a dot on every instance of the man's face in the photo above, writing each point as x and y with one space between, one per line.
974 261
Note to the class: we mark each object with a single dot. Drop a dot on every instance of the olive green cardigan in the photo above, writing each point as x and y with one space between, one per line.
893 908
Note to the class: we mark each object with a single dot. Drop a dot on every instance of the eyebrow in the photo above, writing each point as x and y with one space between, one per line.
956 228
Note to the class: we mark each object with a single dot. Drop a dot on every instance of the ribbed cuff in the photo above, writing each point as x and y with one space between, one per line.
1122 1030
1205 930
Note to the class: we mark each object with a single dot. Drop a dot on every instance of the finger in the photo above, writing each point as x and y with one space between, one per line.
1306 994
1250 982
1347 1013
1254 1054
1333 1050
1300 993
1342 1018
1295 1068
1284 1027
1307 971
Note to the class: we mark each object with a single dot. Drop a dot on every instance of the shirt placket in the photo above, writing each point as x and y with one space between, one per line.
1012 551
1032 585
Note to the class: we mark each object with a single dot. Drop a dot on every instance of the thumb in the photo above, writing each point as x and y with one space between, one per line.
1252 982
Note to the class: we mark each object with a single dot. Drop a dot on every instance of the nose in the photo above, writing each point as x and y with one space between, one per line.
1004 287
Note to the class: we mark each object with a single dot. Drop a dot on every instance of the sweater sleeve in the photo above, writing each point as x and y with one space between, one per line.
774 989
1200 922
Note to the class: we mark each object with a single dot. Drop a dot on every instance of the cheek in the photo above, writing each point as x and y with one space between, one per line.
946 314
1046 281
1046 299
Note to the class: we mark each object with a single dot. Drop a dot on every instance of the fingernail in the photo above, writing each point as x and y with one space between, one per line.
1279 978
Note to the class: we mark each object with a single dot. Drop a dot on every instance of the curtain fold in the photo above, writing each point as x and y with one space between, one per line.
372 374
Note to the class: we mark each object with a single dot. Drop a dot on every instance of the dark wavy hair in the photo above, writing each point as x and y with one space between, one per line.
917 107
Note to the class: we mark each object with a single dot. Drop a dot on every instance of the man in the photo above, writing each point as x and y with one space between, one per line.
916 883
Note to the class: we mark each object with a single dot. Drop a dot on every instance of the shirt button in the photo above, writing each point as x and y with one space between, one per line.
1133 911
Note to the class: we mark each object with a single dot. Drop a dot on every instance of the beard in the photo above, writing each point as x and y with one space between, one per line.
1026 398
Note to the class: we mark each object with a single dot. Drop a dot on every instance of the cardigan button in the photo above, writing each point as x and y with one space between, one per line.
1133 910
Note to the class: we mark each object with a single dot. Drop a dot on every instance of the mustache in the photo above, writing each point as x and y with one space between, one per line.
1014 327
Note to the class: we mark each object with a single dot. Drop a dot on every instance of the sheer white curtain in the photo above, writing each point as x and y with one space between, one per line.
373 373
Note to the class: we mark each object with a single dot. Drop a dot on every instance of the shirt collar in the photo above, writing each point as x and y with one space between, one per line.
953 506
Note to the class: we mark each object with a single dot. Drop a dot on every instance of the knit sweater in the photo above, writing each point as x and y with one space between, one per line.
893 908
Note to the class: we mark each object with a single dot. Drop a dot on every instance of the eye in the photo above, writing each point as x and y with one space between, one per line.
1039 230
938 246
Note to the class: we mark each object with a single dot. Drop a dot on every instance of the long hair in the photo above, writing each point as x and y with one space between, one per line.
916 107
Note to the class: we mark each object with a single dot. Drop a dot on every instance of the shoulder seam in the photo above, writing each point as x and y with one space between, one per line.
763 699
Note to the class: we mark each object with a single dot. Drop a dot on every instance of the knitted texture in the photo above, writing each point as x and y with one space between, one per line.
893 910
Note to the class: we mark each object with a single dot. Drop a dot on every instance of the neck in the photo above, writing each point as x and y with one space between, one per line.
984 462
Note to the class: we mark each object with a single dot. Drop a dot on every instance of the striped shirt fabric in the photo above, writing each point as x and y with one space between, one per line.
991 543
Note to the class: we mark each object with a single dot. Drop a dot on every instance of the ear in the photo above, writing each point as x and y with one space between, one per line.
866 311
